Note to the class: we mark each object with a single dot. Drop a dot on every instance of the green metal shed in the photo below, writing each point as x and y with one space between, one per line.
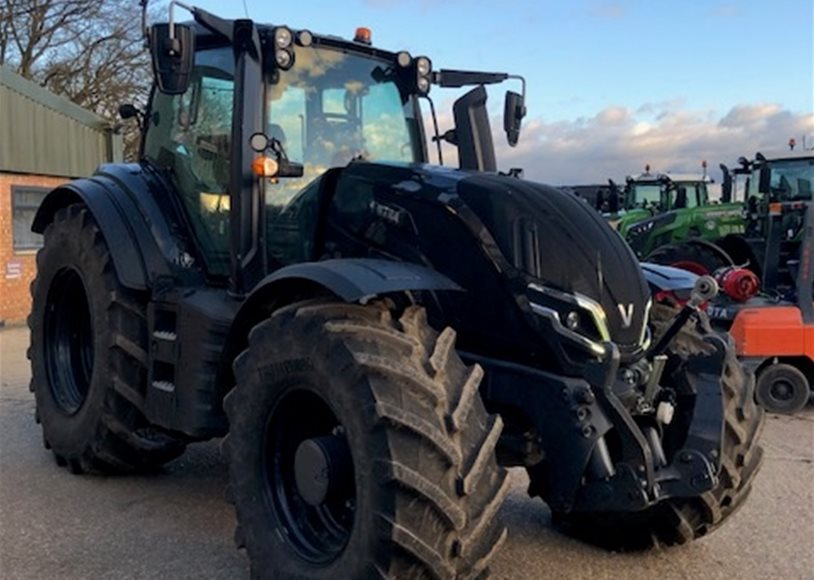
44 134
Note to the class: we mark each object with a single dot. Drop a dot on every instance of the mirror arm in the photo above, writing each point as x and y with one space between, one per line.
187 7
202 17
522 90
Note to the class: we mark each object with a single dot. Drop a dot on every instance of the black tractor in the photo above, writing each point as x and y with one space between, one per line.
376 338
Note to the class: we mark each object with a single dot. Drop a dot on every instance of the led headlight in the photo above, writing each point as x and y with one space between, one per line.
283 58
283 47
423 70
282 37
403 59
575 316
305 38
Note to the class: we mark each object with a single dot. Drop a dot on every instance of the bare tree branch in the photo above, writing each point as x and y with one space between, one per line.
86 50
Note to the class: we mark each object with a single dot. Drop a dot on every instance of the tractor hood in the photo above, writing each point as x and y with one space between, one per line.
548 243
566 245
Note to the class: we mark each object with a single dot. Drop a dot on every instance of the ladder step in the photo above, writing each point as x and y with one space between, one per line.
165 386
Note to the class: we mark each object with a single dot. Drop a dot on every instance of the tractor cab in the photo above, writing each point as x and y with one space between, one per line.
285 108
662 192
766 179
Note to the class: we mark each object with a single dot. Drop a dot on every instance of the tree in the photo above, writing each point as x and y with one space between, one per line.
89 51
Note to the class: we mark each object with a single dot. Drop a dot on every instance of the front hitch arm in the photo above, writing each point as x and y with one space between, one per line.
706 288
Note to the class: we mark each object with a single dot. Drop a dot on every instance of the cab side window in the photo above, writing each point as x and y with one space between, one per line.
190 134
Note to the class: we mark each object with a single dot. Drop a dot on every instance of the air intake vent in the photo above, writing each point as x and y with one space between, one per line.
526 255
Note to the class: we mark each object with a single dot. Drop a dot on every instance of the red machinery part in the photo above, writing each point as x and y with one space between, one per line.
739 284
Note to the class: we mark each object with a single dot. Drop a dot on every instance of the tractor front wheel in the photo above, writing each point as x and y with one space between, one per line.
359 448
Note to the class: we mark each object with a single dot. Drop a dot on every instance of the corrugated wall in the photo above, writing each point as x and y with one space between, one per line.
44 134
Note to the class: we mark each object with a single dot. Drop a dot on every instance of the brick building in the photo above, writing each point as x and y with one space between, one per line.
45 140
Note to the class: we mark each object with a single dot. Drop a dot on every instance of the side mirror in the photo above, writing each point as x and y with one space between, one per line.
128 111
513 112
764 179
726 184
173 57
613 201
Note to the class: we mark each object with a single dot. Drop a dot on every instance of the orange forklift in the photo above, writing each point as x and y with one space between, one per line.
774 330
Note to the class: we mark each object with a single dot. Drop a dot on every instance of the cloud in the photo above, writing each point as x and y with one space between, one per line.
609 10
619 141
725 10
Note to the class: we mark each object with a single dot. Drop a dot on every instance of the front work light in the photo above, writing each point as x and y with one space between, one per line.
284 47
423 70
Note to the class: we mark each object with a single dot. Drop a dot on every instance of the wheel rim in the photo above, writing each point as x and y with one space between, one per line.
691 266
782 391
68 341
317 523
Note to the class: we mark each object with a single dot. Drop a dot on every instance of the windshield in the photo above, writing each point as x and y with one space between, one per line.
684 194
333 107
791 179
644 195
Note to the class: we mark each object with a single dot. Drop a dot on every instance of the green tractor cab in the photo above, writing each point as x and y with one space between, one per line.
663 209
756 186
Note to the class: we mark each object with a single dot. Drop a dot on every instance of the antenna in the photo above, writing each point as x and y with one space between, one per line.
145 30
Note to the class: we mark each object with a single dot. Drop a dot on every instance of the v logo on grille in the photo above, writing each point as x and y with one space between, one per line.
626 311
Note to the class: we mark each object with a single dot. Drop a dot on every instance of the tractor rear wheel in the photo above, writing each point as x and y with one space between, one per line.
681 520
359 448
697 258
88 354
782 388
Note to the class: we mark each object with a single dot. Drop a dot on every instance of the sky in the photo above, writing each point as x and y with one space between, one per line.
612 85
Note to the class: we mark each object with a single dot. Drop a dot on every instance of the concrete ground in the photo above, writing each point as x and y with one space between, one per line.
176 525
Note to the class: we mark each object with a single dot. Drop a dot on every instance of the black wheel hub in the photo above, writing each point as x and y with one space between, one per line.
310 476
321 469
68 341
782 390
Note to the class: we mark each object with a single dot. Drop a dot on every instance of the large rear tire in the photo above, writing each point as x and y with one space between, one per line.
88 355
681 520
359 448
697 258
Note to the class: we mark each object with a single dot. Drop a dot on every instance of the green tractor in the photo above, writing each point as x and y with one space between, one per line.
761 183
663 209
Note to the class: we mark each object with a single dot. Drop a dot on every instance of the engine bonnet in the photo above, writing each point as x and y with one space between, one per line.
558 239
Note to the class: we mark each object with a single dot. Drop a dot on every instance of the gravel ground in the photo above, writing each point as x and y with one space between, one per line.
176 524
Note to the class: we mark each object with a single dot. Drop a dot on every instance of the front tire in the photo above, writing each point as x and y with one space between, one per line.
359 448
88 355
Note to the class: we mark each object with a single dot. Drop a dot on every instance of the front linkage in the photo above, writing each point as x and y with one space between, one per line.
625 446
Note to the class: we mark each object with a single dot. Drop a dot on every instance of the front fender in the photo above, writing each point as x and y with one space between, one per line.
351 280
355 279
